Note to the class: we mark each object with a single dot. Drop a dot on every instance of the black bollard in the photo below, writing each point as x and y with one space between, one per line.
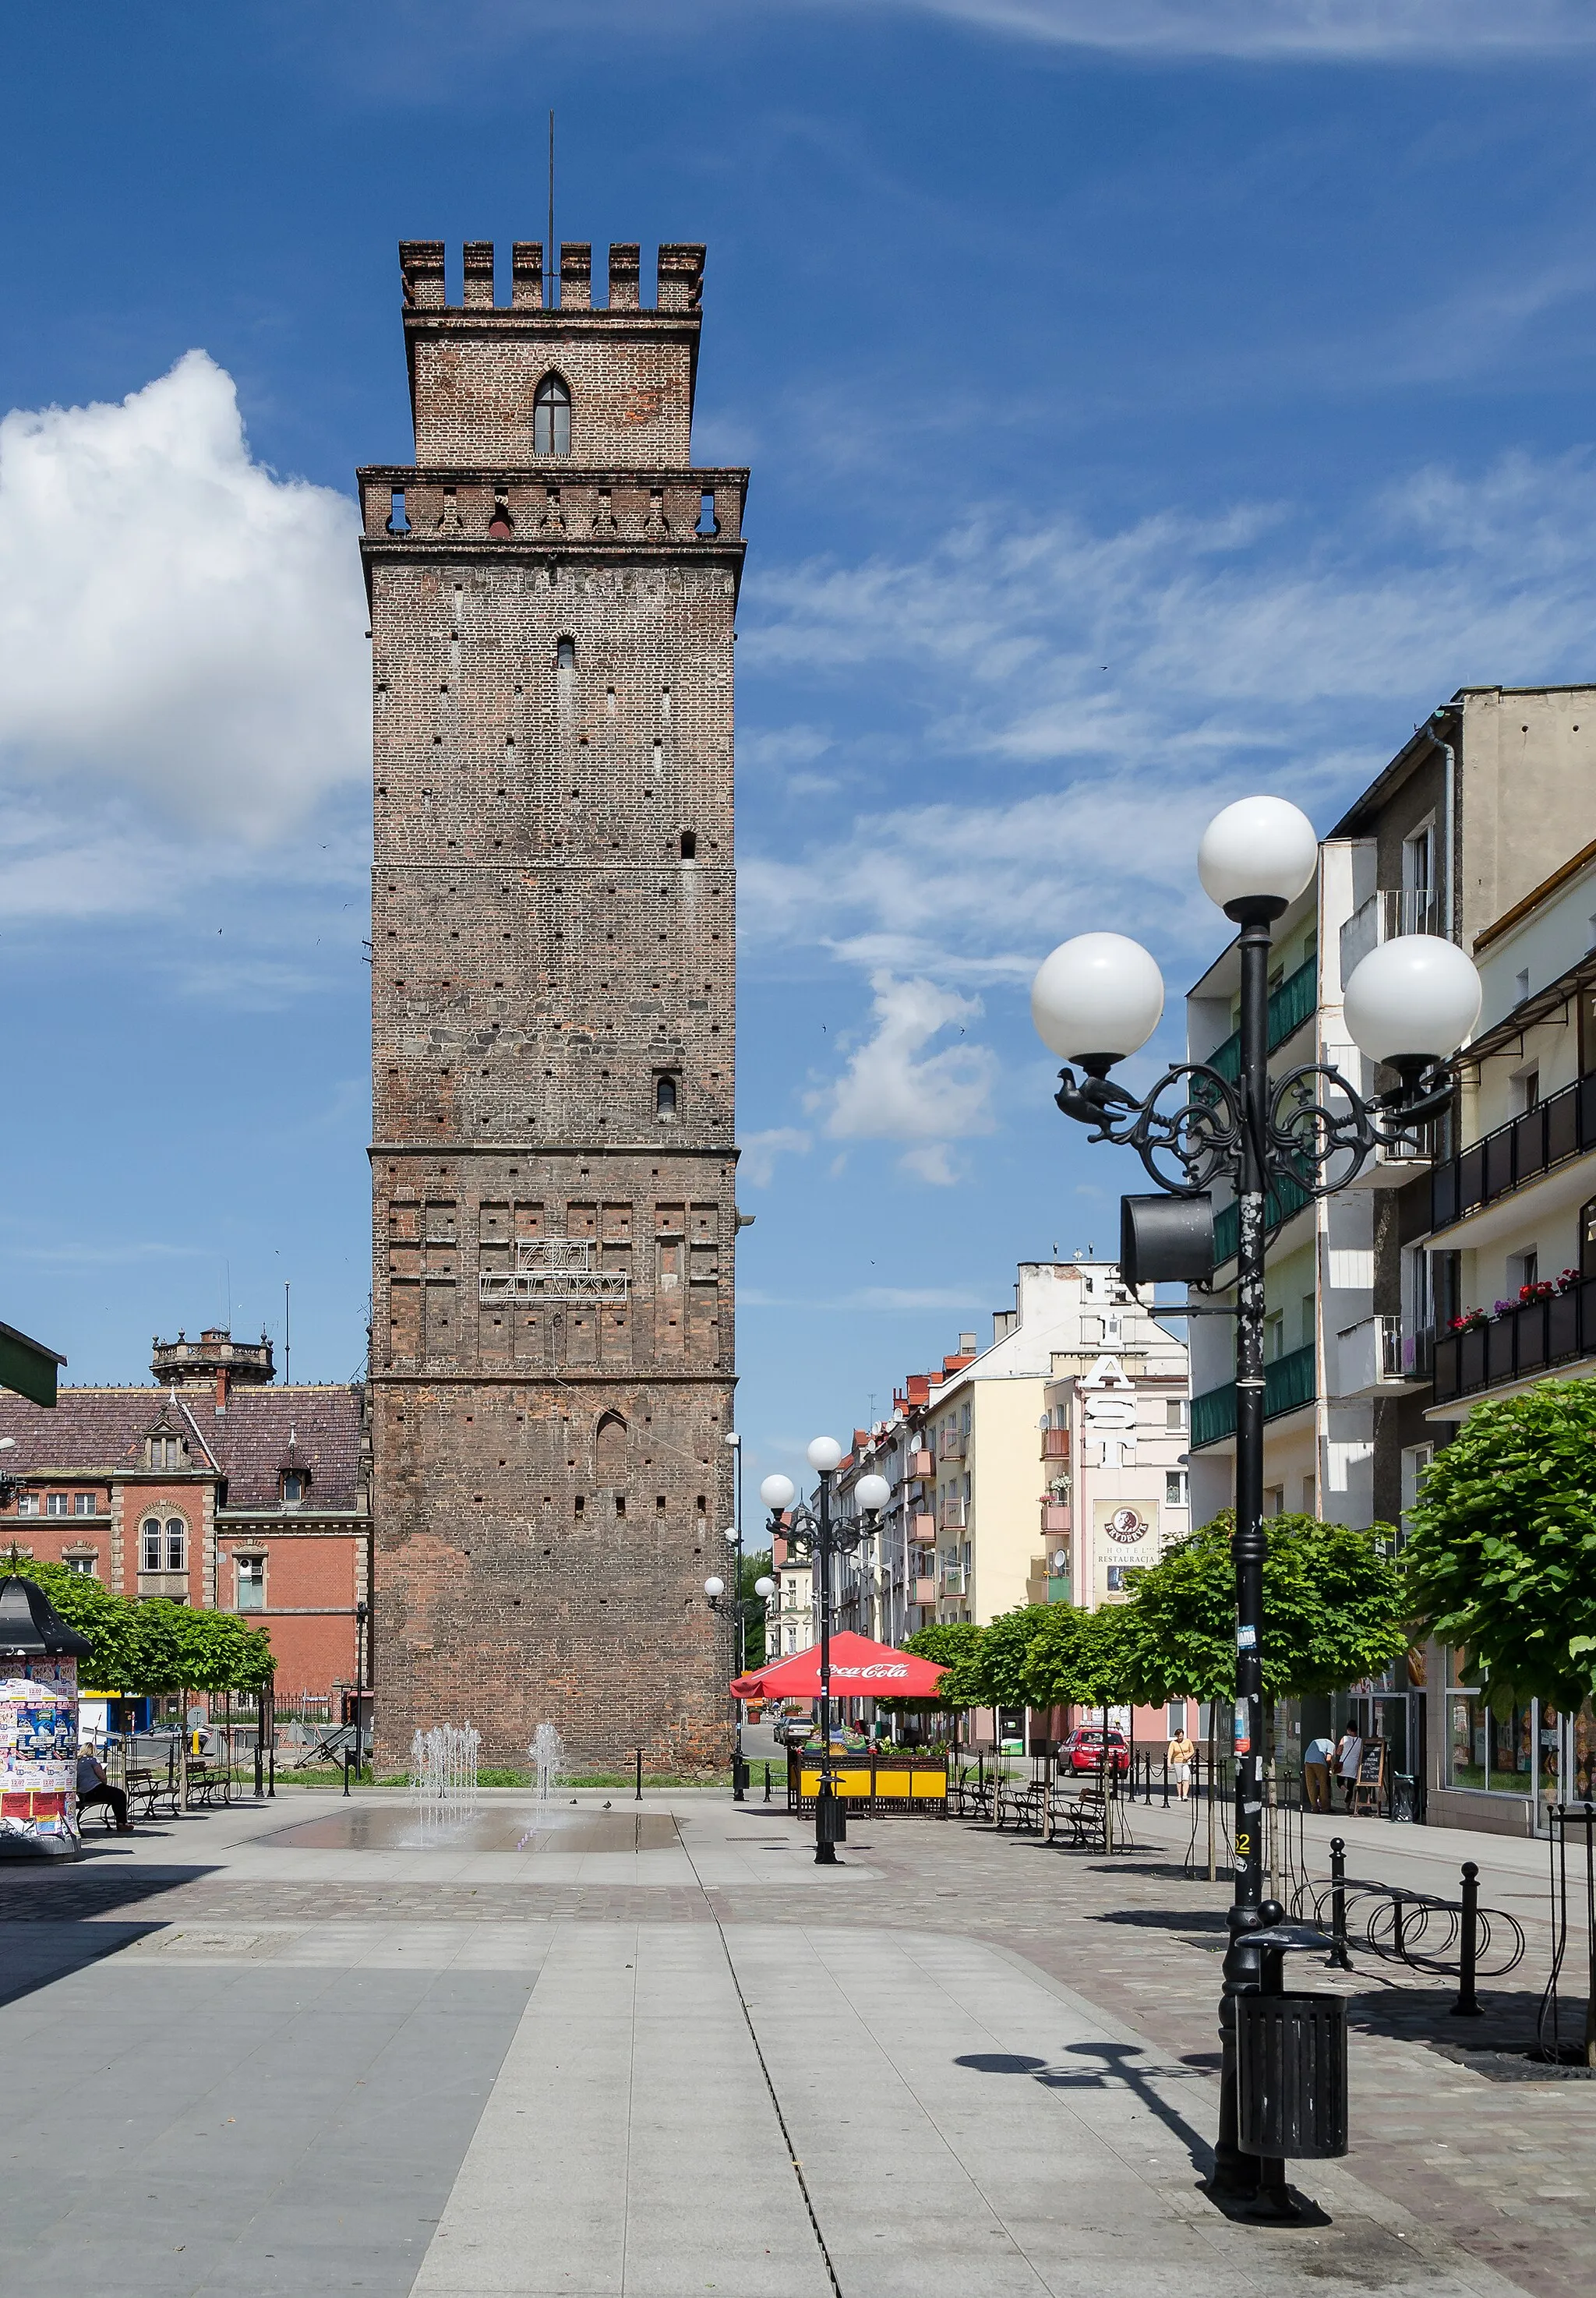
1466 2006
639 1776
1166 1783
1398 1903
767 1783
1338 1958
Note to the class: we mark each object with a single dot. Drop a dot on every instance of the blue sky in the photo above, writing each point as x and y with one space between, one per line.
1147 403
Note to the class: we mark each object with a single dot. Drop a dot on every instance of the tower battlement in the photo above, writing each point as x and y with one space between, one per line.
679 277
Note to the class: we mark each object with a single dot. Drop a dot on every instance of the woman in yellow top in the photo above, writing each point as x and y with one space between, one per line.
1179 1759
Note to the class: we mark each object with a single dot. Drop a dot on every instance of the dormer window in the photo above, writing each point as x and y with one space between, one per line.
293 1488
166 1451
551 417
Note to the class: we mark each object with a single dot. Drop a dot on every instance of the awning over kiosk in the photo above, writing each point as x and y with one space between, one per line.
860 1670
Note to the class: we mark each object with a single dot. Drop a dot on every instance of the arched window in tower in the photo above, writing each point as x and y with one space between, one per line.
664 1097
565 655
551 417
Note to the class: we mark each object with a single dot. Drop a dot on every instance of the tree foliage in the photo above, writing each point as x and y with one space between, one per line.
956 1646
1336 1608
753 1634
154 1647
1078 1659
1501 1556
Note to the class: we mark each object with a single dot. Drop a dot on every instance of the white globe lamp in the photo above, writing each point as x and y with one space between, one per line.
778 1494
713 1587
1261 850
1096 998
872 1494
824 1454
1413 998
764 1585
729 1536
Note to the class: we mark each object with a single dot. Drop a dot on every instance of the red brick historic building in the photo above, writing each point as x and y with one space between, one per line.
553 586
213 1487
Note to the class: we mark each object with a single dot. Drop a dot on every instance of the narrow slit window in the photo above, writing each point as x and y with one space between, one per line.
551 417
565 655
708 522
665 1096
398 523
690 845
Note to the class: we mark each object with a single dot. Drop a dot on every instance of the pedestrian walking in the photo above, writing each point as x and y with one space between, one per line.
1349 1755
1317 1759
1179 1756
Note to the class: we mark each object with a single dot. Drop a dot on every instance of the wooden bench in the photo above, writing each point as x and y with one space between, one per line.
1026 1805
146 1789
208 1783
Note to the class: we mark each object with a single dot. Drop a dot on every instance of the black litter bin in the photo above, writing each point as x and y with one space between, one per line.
1291 2075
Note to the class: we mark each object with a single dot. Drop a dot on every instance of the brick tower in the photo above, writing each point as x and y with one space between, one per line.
552 591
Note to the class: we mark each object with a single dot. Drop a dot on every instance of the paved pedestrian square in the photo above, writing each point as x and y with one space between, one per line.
305 2047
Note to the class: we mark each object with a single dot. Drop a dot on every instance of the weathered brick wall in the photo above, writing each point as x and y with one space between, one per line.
553 950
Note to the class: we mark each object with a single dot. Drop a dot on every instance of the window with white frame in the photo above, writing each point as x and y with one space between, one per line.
252 1583
83 1564
163 1544
58 1503
1174 1487
83 1503
149 1544
27 1503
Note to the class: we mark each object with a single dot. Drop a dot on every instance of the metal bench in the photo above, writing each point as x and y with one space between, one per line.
1027 1806
146 1789
209 1784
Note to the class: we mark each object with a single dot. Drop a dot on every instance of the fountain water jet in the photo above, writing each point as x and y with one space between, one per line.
443 1773
548 1754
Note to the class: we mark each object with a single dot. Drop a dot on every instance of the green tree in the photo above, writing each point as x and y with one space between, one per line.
153 1647
753 1567
1501 1556
1003 1654
956 1646
1336 1608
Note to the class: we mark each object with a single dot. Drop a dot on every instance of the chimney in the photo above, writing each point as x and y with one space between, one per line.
221 1389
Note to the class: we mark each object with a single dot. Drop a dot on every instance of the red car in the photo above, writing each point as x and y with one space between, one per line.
1083 1751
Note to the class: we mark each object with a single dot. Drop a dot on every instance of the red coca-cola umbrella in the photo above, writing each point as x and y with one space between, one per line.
860 1670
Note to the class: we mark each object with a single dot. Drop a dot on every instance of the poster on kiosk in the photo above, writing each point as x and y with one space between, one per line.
38 1724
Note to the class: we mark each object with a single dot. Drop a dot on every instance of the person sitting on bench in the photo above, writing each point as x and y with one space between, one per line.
94 1786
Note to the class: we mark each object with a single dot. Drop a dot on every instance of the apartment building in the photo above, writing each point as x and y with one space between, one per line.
1462 828
1512 1261
1036 1469
791 1623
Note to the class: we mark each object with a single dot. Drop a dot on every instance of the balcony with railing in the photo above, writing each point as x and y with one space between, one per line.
955 1580
1561 1127
1056 1443
1392 911
951 1513
1288 1383
1518 1345
1289 1008
1381 1357
921 1463
1055 1517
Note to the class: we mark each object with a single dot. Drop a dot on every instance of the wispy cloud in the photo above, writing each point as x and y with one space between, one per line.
1434 30
757 1166
894 1089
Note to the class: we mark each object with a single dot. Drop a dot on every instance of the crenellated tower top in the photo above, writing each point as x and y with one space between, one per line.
475 366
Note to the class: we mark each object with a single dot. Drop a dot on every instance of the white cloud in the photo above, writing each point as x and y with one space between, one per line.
893 1090
186 674
757 1166
1145 676
1438 31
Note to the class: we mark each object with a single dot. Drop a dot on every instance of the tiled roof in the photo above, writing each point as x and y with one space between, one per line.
100 1432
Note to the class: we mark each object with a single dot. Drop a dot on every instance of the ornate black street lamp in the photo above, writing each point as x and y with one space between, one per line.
1409 1005
819 1535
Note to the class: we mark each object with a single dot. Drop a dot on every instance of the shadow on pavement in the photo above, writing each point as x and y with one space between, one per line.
1113 2067
43 1952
